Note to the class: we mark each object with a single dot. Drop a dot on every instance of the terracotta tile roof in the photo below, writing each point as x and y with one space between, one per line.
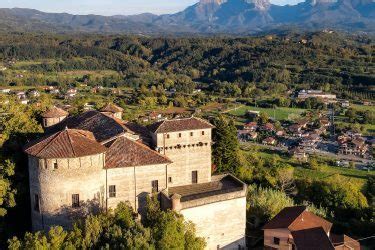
175 125
312 239
297 218
123 152
103 127
54 112
344 240
112 108
68 143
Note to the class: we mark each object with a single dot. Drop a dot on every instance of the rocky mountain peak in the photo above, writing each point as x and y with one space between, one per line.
260 4
215 2
316 2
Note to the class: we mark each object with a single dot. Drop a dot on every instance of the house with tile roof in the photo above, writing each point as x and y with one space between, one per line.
92 161
297 228
53 116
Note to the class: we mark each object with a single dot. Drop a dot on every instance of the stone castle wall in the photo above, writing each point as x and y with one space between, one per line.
48 122
133 184
55 185
222 224
189 151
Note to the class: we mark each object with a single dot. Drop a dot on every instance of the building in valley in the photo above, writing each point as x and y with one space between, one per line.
94 160
297 228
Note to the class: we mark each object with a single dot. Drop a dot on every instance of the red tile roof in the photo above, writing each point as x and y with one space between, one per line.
68 143
344 240
54 112
184 124
312 239
103 127
112 108
123 152
297 218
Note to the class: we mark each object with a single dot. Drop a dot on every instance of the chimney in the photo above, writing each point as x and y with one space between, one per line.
176 202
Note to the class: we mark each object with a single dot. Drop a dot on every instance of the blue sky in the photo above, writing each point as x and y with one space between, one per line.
110 7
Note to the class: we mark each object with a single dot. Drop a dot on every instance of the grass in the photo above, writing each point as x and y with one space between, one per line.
363 107
354 176
280 113
369 129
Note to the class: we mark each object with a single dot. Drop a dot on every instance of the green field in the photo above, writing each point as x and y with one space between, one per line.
354 176
280 113
368 131
363 107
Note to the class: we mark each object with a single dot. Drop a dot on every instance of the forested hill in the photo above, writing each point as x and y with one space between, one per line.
250 64
206 16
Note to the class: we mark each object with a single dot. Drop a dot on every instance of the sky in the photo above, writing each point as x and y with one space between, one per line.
110 7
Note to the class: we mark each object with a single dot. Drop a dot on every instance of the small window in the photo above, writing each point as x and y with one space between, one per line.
202 132
55 166
194 176
155 186
36 203
276 241
179 135
112 191
75 200
167 136
170 179
191 133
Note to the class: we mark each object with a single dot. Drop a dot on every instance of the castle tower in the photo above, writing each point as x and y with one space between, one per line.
53 116
112 110
187 142
66 177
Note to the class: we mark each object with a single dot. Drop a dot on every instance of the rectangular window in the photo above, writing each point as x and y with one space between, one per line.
170 179
36 203
55 165
202 132
276 241
191 133
179 135
155 186
75 200
168 136
112 191
194 177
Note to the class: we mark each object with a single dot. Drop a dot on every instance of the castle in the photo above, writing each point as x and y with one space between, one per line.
95 160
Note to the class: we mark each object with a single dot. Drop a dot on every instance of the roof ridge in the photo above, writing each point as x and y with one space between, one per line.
70 142
49 143
295 219
160 125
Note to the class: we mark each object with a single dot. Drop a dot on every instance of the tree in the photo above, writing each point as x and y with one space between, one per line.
285 179
265 203
351 114
117 229
263 118
169 229
225 151
7 192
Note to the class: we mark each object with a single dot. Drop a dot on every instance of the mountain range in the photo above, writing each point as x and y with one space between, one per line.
207 16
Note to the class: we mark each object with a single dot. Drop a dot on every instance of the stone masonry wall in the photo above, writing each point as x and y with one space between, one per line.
133 184
283 234
55 185
47 122
222 224
189 151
